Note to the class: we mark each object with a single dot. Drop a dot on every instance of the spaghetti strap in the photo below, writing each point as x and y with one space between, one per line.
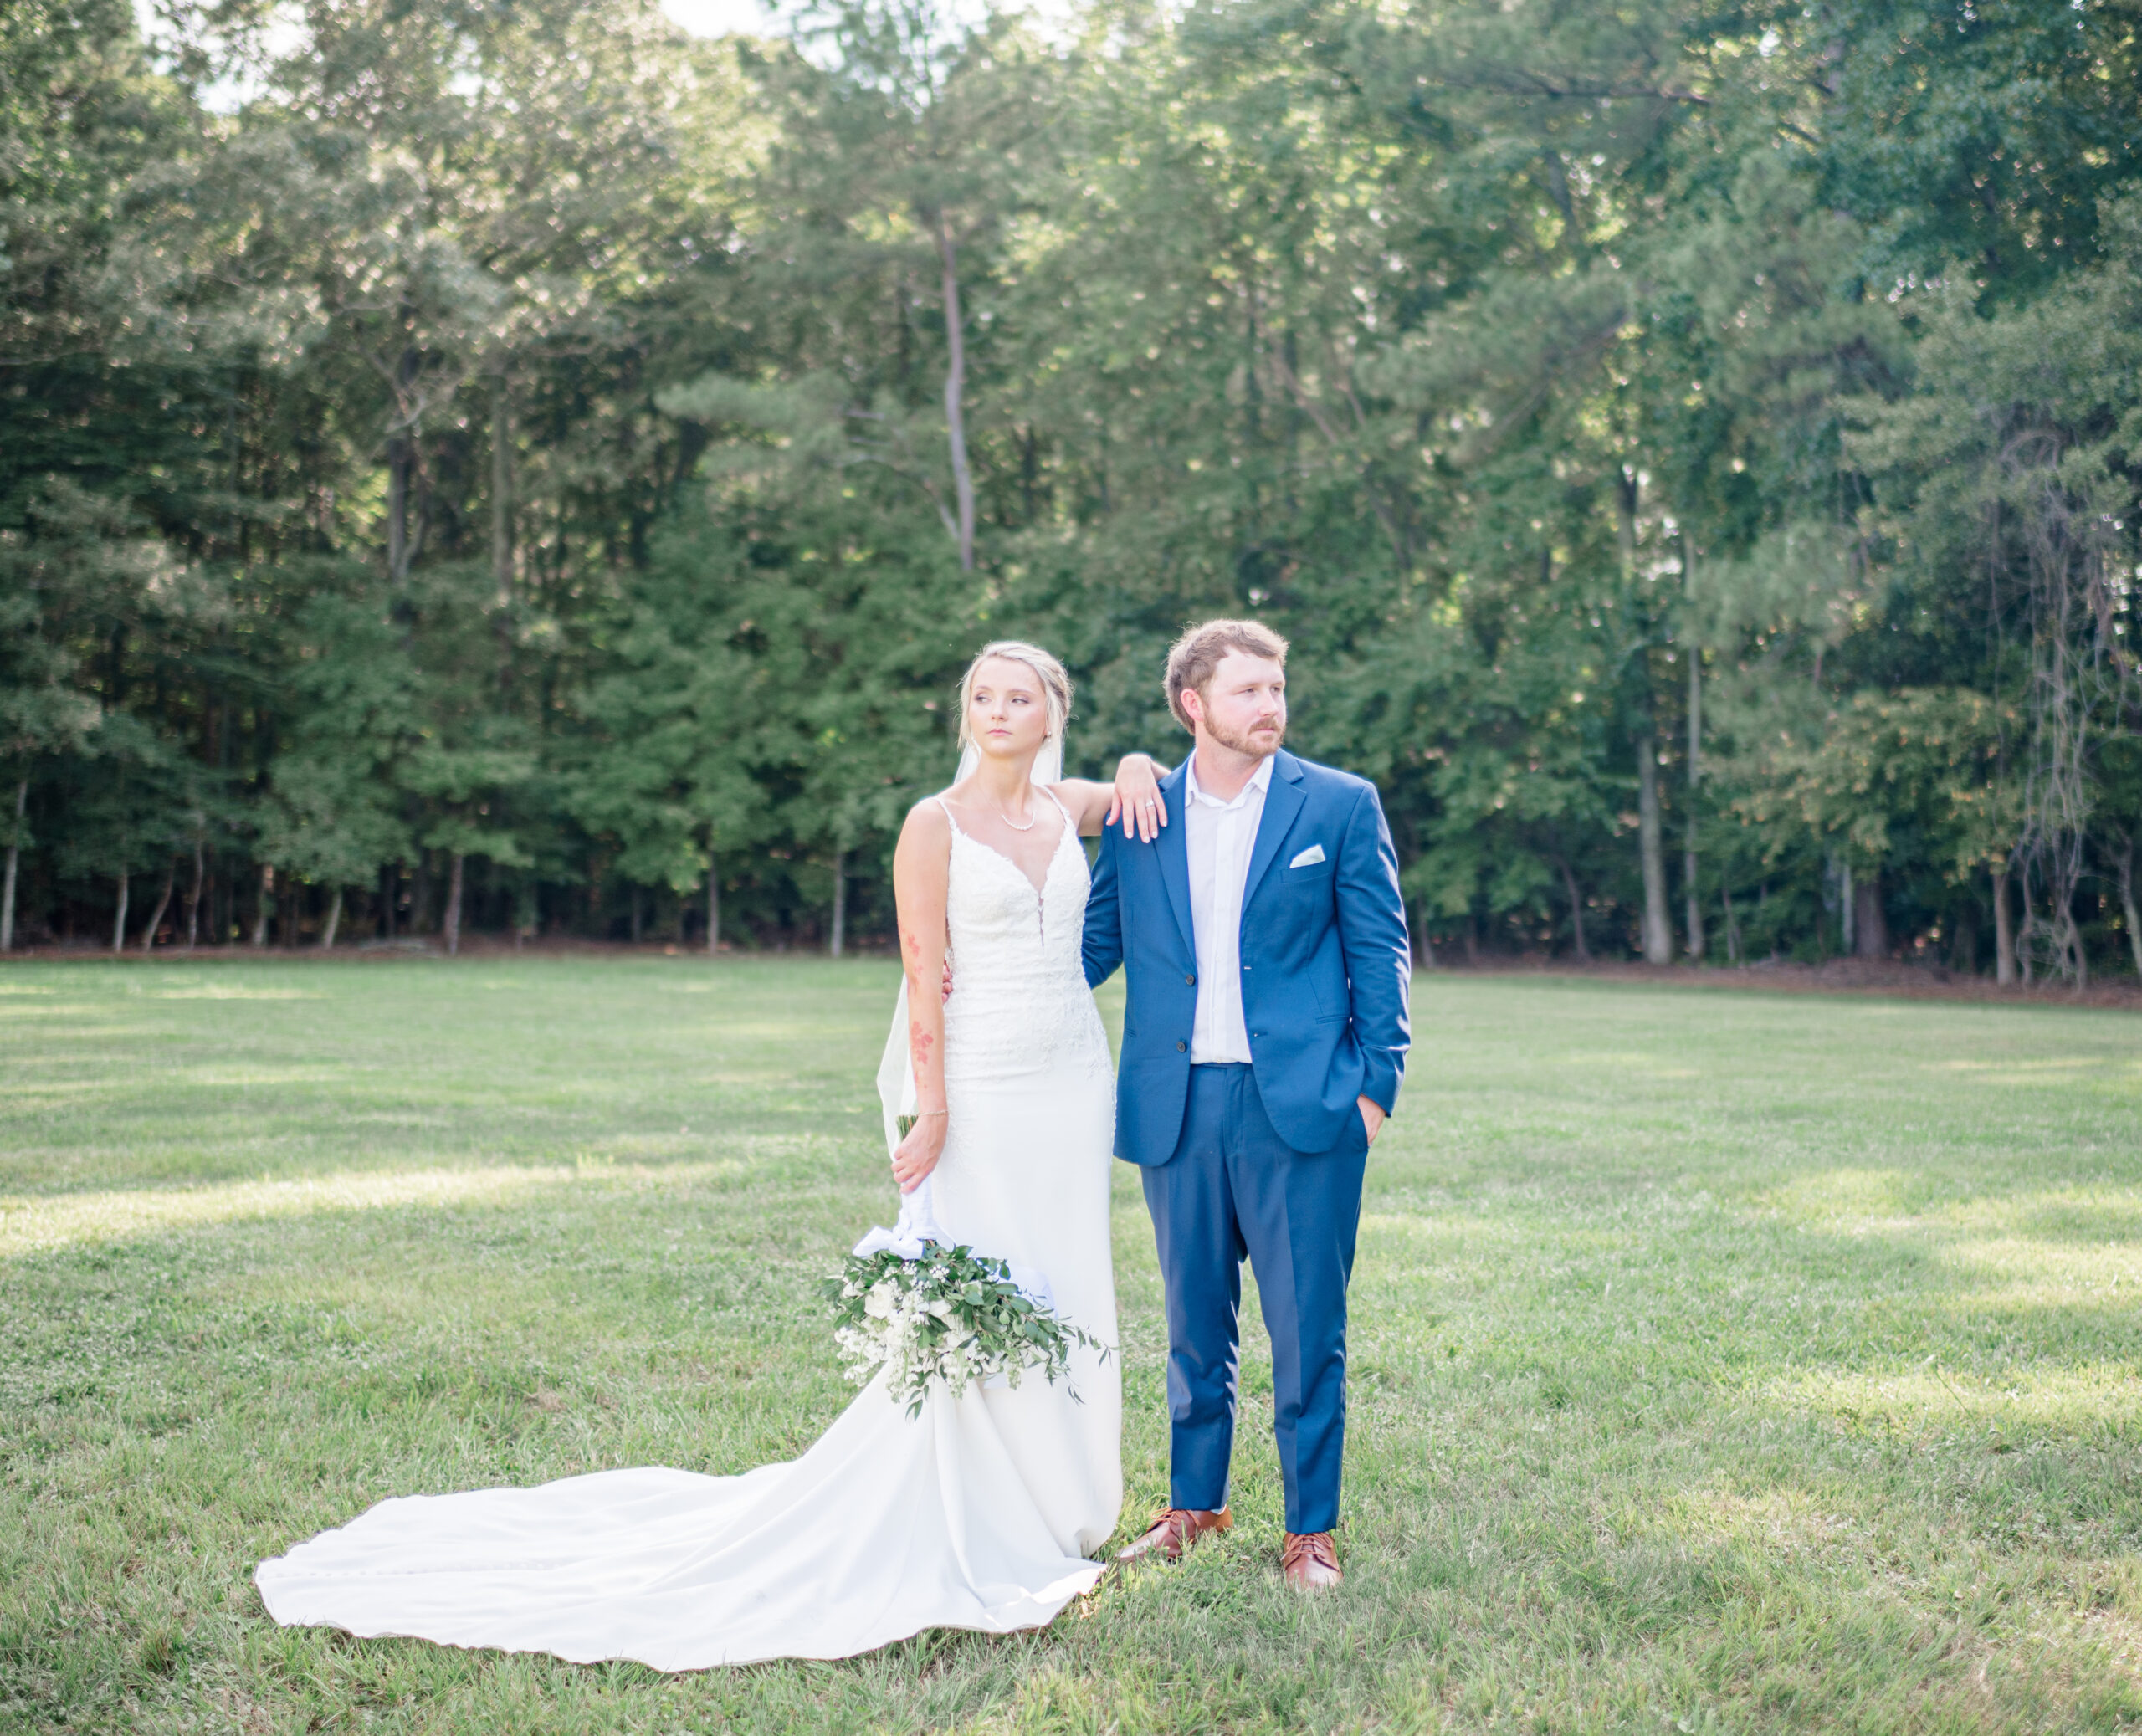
949 819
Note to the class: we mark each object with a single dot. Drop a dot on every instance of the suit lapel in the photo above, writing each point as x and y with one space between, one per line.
1283 802
1174 845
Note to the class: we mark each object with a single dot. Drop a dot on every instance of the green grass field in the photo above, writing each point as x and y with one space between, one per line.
1720 1361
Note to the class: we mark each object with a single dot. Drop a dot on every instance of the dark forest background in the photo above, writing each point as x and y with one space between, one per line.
507 466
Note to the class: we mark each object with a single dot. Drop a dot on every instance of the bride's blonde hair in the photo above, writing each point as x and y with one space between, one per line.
1055 684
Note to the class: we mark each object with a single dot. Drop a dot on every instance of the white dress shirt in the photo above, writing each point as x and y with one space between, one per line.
1220 837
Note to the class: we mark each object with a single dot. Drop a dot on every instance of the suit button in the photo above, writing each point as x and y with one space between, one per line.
1181 1046
1191 979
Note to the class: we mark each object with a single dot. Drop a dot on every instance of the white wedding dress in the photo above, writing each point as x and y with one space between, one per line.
979 1513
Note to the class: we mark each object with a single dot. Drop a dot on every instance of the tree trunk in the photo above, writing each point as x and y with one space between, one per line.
1869 922
1576 909
501 493
163 903
119 922
334 922
1732 927
632 918
1848 909
1694 909
1627 499
1657 927
502 527
2126 901
2026 930
713 905
840 902
14 855
194 898
390 890
397 508
401 469
263 903
2004 931
955 381
453 907
2071 935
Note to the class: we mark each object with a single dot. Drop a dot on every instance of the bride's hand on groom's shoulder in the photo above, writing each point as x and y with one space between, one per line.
1137 799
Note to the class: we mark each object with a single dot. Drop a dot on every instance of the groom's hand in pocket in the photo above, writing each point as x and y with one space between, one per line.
1372 1116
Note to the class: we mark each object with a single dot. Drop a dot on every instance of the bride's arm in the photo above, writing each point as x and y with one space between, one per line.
921 883
1135 795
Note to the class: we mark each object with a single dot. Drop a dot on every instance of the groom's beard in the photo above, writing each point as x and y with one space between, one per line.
1244 741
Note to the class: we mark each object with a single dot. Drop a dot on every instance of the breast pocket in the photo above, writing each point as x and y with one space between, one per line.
1311 881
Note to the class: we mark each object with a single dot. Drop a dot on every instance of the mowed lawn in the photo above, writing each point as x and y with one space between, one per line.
1721 1361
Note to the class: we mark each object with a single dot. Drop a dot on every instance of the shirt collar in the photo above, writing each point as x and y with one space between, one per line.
1260 781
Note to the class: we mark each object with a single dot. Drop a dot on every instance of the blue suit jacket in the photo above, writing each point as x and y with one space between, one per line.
1325 962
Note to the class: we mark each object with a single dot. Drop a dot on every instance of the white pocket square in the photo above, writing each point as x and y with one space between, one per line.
1308 858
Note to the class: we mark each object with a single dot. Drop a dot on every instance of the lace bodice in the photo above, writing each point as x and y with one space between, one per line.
1019 1001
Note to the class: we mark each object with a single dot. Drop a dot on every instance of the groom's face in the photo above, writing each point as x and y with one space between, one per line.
1244 705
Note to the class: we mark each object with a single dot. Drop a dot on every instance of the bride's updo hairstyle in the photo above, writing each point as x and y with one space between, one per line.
1055 684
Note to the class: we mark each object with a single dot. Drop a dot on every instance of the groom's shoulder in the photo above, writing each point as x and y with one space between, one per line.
1329 781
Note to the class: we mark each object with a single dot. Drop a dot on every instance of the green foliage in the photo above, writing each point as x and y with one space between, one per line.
1915 776
531 436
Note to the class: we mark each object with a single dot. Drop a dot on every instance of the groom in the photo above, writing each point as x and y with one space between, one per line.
1265 940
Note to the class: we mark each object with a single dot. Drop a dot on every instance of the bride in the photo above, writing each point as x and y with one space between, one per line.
979 1512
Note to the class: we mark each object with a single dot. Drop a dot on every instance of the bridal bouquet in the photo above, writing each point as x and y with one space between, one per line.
928 1310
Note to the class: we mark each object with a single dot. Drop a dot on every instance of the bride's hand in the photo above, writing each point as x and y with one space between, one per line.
1137 799
917 1154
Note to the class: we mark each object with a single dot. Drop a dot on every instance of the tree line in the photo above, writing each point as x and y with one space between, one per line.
515 467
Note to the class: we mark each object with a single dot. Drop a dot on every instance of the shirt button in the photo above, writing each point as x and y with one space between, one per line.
1191 979
1181 1046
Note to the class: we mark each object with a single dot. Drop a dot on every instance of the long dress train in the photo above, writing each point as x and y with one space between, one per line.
979 1513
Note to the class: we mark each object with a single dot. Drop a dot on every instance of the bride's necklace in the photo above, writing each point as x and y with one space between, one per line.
1014 824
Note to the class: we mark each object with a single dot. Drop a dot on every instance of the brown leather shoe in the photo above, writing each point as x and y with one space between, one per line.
1310 1561
1173 1532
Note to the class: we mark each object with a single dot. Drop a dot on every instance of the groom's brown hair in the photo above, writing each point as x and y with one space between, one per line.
1194 658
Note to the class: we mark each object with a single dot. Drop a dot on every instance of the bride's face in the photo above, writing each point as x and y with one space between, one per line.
1008 712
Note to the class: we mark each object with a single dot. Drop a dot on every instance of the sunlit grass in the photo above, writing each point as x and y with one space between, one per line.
28 1224
1719 1361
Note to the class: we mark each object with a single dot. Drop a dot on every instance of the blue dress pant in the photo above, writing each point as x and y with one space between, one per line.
1233 1187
